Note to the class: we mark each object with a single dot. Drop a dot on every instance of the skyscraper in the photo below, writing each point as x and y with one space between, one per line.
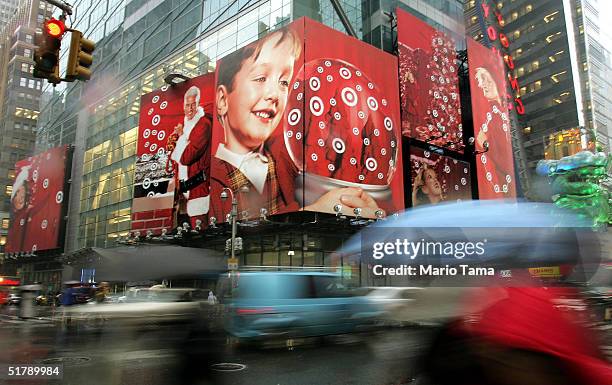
561 64
19 92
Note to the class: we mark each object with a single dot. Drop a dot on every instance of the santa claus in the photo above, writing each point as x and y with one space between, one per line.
190 155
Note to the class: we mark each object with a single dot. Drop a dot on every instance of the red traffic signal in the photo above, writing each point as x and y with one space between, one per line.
55 28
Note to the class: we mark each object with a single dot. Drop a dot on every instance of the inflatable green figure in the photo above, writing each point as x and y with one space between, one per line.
578 183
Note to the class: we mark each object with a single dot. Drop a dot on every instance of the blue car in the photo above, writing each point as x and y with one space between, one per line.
296 304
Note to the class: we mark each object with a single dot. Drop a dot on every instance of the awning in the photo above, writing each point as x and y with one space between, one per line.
154 262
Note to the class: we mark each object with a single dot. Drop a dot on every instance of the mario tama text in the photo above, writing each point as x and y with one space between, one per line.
432 271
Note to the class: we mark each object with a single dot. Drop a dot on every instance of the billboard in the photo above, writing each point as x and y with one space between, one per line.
37 202
343 126
317 129
173 157
438 178
429 86
495 164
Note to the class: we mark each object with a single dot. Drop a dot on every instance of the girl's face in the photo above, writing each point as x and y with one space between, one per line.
257 102
432 185
488 86
19 198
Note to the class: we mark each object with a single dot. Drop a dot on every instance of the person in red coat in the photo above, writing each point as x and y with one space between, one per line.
191 156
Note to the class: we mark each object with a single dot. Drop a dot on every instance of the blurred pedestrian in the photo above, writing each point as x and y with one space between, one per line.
522 339
212 299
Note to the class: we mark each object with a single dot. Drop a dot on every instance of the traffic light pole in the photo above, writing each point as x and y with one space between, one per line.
67 8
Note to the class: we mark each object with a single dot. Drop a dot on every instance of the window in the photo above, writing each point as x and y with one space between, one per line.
25 67
535 65
29 39
2 240
9 189
528 8
23 82
5 223
31 83
27 52
517 34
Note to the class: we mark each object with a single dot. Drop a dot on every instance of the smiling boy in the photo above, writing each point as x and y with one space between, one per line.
252 89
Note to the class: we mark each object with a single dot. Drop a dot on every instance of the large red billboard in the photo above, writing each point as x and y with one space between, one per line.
173 157
37 201
307 126
347 105
431 109
438 178
494 161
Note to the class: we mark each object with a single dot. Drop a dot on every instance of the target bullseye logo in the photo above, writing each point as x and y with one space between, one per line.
35 176
314 83
163 105
371 164
294 116
156 119
161 135
349 96
44 224
314 157
372 103
146 183
146 133
155 99
59 197
345 73
388 123
316 106
289 134
338 145
45 183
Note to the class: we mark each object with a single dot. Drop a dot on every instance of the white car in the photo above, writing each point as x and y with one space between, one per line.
144 307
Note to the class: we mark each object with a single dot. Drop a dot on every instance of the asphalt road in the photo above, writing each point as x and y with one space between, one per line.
175 355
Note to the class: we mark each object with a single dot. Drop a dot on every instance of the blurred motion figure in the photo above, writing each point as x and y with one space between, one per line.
521 339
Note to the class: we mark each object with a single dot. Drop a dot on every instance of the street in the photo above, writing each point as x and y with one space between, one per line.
159 356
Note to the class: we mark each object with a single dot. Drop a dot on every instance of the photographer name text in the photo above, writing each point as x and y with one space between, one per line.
432 270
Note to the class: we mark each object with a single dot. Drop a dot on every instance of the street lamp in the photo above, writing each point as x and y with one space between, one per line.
225 193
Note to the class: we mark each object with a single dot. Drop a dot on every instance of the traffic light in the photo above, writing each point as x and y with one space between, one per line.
47 51
80 57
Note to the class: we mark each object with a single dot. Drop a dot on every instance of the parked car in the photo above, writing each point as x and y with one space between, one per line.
295 304
13 299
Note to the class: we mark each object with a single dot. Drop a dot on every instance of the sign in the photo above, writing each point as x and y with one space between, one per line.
232 263
545 272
